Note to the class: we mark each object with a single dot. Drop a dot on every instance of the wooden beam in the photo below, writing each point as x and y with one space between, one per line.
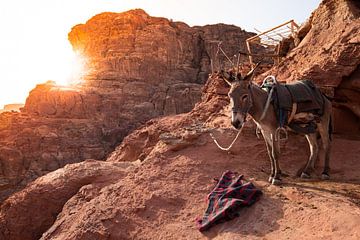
263 44
251 38
249 50
293 22
260 55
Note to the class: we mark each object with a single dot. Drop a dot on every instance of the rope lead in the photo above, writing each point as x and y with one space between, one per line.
232 143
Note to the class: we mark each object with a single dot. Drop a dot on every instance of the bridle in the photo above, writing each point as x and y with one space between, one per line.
245 111
236 109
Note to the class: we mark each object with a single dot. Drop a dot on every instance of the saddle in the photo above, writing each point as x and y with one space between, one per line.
301 99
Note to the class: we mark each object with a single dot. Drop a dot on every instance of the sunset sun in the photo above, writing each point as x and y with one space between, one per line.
67 69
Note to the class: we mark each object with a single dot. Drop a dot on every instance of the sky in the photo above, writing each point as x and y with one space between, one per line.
34 47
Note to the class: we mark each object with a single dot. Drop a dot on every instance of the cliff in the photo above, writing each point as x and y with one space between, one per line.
153 184
138 67
329 55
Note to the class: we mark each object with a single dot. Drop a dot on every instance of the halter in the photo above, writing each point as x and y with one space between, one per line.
246 110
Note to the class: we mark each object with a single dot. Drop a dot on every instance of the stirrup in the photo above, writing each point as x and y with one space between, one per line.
278 134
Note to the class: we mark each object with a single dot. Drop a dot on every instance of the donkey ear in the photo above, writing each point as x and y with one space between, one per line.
225 76
239 77
249 75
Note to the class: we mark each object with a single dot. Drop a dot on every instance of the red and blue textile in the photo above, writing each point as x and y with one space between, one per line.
229 195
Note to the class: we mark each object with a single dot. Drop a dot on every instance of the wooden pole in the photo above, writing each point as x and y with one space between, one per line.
249 39
259 55
297 26
278 53
249 50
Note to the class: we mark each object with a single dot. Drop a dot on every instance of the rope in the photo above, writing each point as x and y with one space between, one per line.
232 143
266 84
226 55
267 104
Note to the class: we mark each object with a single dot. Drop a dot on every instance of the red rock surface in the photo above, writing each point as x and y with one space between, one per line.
43 199
174 163
329 54
138 67
12 107
161 197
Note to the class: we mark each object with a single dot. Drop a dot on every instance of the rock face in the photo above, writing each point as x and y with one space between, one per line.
174 159
160 197
32 146
154 51
137 67
55 189
329 54
154 66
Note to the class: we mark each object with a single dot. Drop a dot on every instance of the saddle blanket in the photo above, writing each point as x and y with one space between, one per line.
304 93
225 200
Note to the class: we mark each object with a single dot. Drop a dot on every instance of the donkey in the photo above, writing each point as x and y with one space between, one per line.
247 98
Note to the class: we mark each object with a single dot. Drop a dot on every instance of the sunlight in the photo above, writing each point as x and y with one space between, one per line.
59 63
51 61
68 69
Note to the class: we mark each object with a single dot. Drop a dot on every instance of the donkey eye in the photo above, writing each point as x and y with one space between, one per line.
244 97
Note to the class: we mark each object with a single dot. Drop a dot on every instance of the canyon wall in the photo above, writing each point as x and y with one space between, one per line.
161 192
137 67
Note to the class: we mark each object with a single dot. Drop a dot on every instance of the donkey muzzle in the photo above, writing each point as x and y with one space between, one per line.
237 124
238 119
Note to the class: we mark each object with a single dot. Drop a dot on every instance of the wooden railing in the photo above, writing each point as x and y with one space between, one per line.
271 39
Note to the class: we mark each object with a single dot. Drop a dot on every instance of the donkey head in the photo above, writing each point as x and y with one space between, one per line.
240 95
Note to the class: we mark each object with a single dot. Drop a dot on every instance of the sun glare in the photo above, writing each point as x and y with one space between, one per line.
55 62
65 67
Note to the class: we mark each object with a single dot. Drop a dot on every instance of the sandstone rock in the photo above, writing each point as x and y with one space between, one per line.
328 54
37 207
137 67
12 107
161 197
31 146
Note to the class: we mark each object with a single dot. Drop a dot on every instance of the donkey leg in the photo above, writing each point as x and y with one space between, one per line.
325 174
275 154
325 138
314 149
269 151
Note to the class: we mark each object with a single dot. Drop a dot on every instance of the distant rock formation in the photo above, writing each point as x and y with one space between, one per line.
12 107
137 67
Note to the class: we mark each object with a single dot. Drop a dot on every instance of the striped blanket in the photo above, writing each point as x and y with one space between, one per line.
225 200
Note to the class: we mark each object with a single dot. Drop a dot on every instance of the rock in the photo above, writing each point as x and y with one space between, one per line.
137 67
37 207
329 55
12 107
161 196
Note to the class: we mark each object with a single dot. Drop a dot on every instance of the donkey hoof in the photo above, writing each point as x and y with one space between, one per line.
270 179
304 175
276 181
325 176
